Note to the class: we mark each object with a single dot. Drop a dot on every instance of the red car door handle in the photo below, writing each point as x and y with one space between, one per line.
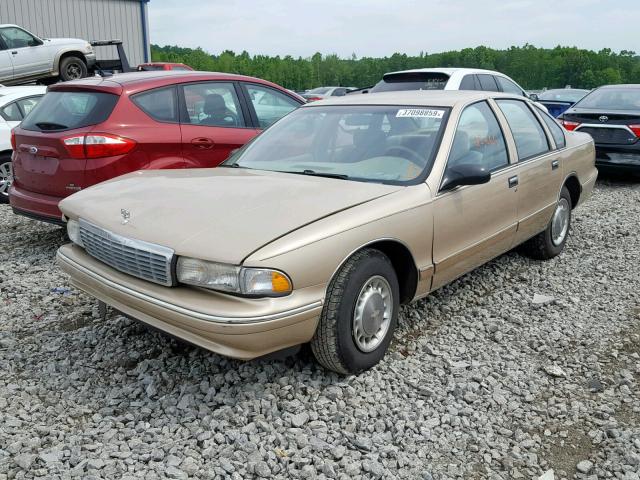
202 142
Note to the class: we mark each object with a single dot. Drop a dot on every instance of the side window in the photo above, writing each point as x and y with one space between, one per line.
339 92
11 113
478 139
160 104
508 86
17 38
488 83
556 131
527 132
213 104
269 104
27 104
468 83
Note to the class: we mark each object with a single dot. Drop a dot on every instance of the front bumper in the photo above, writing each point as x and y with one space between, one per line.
236 327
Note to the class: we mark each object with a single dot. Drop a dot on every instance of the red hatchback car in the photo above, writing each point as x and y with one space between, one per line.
87 131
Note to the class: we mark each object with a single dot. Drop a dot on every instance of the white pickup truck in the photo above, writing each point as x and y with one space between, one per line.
24 57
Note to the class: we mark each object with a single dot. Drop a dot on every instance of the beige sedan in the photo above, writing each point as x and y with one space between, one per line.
321 227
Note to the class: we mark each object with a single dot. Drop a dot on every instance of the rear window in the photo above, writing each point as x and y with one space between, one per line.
393 82
612 98
68 110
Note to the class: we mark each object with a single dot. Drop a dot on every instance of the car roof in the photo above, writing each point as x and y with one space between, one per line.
622 85
133 82
426 98
448 71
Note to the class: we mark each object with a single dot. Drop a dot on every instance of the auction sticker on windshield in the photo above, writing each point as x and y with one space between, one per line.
420 112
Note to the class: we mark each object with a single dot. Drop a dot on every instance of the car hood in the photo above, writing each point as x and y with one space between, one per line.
221 214
65 41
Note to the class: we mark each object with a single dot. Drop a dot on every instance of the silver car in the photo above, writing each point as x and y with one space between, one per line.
24 57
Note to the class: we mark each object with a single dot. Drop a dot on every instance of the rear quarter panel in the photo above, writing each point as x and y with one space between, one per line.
579 159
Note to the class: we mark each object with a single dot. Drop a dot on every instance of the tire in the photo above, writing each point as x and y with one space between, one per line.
72 68
355 293
551 241
6 177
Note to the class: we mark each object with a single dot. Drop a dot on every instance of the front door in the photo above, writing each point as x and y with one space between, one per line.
28 54
213 124
475 223
6 65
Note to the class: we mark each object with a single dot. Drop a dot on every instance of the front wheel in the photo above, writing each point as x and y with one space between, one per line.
6 177
360 314
72 68
551 241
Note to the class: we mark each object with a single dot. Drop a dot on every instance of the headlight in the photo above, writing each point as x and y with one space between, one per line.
73 230
88 48
229 278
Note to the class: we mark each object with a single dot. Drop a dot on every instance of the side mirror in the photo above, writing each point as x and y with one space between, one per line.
534 97
464 174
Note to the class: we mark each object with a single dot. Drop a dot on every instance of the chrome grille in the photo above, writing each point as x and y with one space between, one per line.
141 259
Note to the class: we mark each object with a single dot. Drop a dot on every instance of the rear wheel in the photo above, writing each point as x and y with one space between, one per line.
551 241
72 68
6 177
360 314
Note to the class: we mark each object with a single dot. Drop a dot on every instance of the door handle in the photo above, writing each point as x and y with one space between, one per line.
513 181
202 142
15 52
555 164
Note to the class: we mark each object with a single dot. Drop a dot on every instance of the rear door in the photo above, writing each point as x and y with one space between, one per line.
213 123
539 169
42 163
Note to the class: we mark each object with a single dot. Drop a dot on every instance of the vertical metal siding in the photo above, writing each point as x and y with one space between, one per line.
87 19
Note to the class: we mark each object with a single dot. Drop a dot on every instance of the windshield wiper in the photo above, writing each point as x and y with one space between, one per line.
50 126
313 173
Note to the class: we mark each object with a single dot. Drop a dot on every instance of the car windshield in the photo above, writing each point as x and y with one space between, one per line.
612 98
393 82
563 95
387 144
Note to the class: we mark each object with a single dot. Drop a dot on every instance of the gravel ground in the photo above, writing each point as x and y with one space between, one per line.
517 368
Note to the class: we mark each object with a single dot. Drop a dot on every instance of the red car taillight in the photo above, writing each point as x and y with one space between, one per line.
13 140
569 125
635 129
313 99
97 145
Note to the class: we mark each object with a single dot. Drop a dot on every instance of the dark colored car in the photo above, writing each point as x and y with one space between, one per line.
611 115
91 130
558 100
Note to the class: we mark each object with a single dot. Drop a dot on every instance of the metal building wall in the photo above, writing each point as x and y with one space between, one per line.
126 20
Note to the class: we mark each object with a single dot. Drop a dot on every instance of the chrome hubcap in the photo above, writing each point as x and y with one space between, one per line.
560 222
6 177
372 315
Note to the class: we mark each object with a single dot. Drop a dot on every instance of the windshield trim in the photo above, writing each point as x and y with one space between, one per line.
233 159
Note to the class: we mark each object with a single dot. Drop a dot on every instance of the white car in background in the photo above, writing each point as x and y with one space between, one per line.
321 93
15 104
448 79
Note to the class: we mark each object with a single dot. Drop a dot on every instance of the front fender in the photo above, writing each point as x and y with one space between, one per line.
312 254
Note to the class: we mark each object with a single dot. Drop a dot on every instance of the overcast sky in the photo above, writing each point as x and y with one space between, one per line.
382 27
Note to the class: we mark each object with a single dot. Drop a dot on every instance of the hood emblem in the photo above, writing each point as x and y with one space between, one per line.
33 150
126 215
603 119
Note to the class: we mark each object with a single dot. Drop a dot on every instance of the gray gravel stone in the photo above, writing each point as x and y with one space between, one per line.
463 393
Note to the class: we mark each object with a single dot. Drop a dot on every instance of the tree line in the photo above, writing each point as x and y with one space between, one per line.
531 67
